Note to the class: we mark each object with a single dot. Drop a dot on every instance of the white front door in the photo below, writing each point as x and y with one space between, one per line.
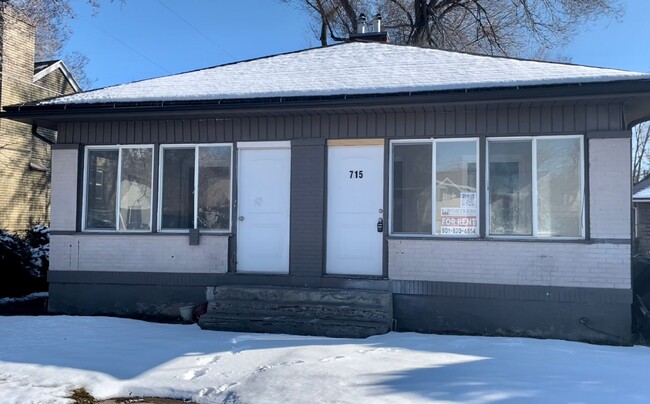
263 207
355 178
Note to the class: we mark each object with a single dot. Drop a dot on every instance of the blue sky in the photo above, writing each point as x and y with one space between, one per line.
150 38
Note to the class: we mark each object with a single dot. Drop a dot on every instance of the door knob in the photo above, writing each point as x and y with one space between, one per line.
241 218
380 225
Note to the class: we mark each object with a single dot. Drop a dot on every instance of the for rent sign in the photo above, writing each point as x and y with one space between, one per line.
460 221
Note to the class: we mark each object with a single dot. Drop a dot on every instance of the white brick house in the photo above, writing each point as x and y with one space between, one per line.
489 195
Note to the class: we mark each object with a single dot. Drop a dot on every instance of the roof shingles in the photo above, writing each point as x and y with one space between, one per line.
349 69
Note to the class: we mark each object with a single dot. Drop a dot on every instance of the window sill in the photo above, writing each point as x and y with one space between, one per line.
131 233
494 239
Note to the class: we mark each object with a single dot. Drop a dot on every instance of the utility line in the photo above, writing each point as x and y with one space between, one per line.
195 29
131 48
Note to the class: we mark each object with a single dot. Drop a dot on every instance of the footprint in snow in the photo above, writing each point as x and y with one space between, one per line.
194 373
225 387
207 360
332 358
206 391
377 350
267 367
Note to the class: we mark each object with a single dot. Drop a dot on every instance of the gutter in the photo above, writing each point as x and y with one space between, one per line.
575 91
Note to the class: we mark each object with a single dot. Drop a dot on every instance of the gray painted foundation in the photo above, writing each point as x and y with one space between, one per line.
598 322
582 314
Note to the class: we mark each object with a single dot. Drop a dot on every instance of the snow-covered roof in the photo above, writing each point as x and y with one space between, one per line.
642 195
42 69
349 69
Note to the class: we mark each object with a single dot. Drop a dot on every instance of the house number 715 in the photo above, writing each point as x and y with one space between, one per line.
356 174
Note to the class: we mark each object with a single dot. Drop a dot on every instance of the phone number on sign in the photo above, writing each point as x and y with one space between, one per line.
458 230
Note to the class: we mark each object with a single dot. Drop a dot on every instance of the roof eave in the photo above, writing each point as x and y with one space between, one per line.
53 113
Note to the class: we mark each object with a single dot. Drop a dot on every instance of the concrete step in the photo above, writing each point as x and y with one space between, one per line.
355 313
304 309
335 328
296 294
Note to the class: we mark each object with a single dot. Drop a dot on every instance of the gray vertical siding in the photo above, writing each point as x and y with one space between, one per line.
307 207
497 119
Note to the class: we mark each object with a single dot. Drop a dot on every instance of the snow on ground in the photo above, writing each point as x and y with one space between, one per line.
43 358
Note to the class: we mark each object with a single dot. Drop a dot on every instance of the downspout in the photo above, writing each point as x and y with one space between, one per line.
39 136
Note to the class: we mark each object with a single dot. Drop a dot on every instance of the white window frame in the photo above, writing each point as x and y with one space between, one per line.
433 142
534 213
195 146
84 210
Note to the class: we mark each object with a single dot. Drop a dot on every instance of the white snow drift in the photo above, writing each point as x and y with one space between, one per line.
42 359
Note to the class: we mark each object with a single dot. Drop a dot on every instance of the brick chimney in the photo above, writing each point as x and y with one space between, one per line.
17 47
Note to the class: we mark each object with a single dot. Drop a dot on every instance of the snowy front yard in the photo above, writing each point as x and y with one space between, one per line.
43 358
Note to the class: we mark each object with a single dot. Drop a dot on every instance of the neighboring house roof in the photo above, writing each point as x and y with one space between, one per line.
641 190
43 68
38 66
349 69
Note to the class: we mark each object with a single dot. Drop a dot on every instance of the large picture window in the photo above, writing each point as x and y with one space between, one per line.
118 188
535 187
434 187
194 198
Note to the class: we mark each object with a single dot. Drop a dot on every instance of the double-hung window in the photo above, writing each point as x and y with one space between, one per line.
195 183
535 187
434 187
117 184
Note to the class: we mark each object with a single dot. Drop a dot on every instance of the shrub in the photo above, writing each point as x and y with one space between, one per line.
24 261
37 239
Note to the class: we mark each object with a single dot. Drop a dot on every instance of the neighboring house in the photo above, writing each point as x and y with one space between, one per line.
641 217
488 194
25 154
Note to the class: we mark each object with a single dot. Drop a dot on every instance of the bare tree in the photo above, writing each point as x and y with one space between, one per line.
50 17
497 27
640 150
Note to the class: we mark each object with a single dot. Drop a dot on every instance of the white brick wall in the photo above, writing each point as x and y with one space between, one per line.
512 263
609 188
64 189
138 253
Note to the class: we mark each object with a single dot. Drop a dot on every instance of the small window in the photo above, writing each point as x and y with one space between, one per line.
412 188
536 187
118 188
456 191
191 198
510 179
434 187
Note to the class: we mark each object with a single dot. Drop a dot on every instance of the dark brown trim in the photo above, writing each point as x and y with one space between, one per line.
513 292
624 134
407 287
387 168
482 191
516 240
232 245
620 88
67 146
81 156
308 142
133 233
586 166
50 115
619 241
64 233
155 188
